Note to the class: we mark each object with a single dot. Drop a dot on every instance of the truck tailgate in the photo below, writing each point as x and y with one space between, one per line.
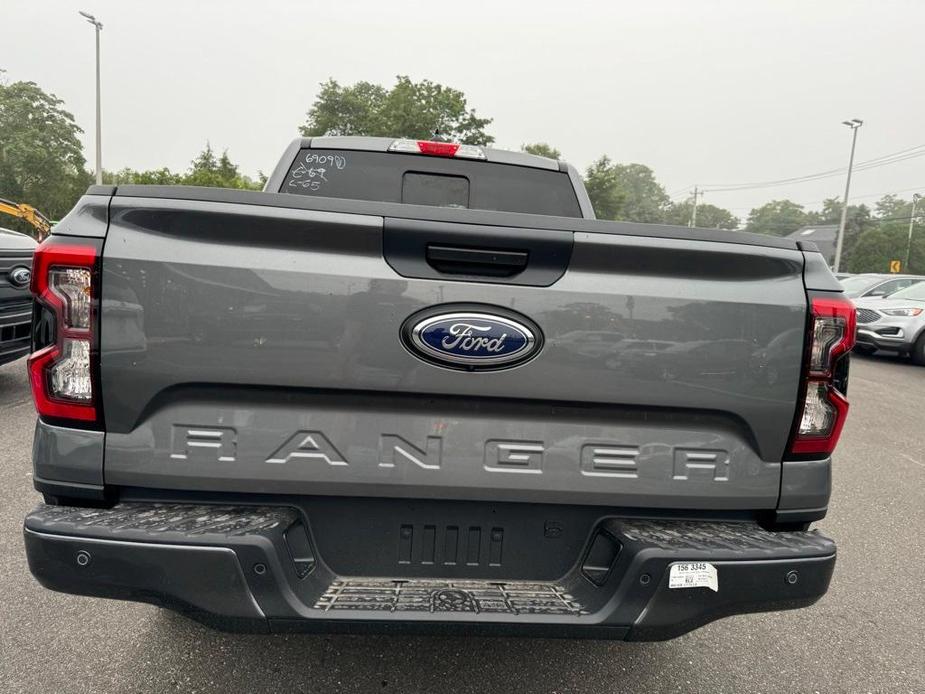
255 348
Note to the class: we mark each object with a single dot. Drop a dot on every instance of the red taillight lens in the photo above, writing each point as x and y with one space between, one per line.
824 408
65 283
834 324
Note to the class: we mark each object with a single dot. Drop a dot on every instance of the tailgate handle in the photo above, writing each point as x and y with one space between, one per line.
491 262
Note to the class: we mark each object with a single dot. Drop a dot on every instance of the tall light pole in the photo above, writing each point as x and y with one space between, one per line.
854 124
99 128
915 199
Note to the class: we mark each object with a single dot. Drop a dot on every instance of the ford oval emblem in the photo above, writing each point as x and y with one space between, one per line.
472 340
20 276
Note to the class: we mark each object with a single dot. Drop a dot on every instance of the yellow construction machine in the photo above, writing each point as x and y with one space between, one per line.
28 213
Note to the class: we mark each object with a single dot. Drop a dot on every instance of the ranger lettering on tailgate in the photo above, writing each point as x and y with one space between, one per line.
600 459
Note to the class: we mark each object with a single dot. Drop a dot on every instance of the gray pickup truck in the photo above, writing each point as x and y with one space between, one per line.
366 399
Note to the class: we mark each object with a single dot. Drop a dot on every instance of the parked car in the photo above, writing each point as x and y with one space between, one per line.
380 432
15 300
895 323
875 284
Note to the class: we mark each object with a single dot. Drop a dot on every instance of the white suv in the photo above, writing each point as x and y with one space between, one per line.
895 323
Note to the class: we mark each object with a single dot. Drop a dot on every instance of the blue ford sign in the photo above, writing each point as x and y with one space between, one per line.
472 340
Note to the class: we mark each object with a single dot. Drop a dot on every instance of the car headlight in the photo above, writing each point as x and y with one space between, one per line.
901 311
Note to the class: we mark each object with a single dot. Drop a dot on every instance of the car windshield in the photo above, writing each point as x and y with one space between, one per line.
915 292
855 286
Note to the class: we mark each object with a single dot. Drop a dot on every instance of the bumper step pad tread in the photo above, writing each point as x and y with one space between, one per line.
157 522
425 595
715 536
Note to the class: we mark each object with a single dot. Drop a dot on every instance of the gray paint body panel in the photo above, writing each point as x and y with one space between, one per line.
432 448
272 311
817 275
87 218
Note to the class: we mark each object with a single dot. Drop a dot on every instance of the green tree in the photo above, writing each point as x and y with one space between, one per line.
627 192
603 185
877 246
857 221
871 242
708 216
646 199
154 177
41 161
409 109
217 172
892 206
777 218
206 169
541 149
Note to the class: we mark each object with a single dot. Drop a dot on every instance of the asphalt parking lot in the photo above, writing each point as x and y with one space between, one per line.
866 635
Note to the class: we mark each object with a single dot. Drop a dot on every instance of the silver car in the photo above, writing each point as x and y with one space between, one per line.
870 284
895 323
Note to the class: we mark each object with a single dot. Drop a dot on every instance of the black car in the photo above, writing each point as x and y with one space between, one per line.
15 300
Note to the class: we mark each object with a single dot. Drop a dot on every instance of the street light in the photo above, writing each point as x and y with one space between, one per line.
915 198
99 128
854 124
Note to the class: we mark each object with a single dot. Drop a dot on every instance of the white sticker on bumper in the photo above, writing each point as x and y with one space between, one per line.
693 575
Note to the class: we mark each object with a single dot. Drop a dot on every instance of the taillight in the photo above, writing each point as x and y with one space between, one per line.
437 149
824 408
65 285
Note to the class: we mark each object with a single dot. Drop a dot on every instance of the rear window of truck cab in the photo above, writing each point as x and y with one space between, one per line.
416 179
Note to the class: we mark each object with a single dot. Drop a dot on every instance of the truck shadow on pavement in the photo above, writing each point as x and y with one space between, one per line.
346 663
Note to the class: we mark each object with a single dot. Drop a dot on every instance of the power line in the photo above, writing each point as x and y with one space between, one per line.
876 162
902 155
853 197
685 189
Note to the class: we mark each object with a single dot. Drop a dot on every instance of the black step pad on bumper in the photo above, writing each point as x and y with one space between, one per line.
435 595
198 523
258 569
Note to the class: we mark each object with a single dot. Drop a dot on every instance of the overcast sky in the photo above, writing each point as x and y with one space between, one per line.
704 92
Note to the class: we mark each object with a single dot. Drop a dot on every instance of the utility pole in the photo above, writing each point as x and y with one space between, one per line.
915 199
693 219
854 124
99 128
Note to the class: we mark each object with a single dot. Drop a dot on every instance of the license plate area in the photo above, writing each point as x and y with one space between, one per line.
449 540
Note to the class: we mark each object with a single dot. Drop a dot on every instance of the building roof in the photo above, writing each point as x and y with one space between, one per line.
823 235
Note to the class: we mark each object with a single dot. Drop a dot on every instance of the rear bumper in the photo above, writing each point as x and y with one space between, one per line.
259 569
891 338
